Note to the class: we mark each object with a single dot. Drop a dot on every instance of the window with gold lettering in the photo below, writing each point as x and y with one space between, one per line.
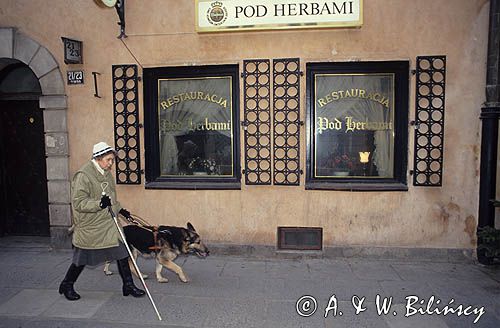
191 127
357 119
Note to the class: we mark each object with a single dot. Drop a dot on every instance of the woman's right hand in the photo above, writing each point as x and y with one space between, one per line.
105 201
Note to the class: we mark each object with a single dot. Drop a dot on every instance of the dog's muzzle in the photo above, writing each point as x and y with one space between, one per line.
200 253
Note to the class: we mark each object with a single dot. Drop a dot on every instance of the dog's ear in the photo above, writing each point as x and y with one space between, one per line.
190 227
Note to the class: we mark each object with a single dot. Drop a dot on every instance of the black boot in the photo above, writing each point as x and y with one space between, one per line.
128 282
66 286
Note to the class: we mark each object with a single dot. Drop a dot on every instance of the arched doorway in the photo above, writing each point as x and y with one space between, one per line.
23 173
16 47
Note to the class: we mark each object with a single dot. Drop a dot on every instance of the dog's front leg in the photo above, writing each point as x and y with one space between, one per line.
175 268
135 254
159 277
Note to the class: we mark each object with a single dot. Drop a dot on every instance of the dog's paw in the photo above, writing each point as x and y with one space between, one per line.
162 279
184 279
108 273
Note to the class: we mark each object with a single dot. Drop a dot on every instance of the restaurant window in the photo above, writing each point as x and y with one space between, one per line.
191 127
357 125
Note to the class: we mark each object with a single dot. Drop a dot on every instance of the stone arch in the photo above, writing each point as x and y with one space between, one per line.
53 102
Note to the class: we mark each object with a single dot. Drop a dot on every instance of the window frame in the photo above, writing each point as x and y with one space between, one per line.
154 179
399 181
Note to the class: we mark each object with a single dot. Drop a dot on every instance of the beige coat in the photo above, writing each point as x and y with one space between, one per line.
94 226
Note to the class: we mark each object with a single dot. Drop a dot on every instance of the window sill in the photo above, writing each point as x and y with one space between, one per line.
357 186
193 185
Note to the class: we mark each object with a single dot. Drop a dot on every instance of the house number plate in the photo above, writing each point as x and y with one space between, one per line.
75 77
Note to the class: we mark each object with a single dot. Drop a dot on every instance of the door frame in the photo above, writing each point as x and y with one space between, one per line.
53 102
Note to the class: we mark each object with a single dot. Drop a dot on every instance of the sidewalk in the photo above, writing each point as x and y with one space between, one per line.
228 291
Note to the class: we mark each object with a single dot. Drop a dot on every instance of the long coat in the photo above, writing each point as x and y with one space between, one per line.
94 226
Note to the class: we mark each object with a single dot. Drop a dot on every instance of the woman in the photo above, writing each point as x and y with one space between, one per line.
95 236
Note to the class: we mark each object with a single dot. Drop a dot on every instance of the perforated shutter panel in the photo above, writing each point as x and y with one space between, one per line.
126 122
257 121
286 121
429 121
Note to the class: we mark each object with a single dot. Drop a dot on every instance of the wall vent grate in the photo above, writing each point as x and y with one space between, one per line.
300 238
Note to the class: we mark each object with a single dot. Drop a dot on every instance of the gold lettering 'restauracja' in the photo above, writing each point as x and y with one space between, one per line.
350 125
193 95
353 93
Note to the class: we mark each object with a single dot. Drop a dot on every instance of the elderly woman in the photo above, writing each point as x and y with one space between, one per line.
95 236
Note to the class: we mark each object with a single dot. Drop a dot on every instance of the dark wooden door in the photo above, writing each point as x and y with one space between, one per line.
23 175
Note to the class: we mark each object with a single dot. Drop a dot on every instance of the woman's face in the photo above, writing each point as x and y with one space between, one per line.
106 162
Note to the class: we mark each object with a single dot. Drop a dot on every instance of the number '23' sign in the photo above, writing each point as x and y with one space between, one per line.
72 51
75 77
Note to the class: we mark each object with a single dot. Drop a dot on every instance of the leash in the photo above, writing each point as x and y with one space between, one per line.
137 220
142 223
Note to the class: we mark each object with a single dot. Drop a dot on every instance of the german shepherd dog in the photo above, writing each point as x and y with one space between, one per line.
170 242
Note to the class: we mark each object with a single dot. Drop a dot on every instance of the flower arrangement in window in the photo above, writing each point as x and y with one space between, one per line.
342 162
207 165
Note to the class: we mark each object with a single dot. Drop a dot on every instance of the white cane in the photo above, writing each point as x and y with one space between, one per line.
133 261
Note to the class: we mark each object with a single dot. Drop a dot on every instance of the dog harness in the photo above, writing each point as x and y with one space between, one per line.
146 226
156 247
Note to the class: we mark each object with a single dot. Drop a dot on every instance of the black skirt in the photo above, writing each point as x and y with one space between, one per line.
98 256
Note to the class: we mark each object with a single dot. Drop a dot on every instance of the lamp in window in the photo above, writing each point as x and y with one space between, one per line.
364 158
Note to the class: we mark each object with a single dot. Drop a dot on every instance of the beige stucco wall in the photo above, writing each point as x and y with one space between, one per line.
162 33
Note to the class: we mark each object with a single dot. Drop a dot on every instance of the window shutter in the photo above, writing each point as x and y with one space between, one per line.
126 122
286 121
429 121
257 121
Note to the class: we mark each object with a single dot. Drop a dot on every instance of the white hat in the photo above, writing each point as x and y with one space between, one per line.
101 148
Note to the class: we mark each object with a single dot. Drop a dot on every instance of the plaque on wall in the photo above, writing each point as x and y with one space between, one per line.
75 77
72 51
240 15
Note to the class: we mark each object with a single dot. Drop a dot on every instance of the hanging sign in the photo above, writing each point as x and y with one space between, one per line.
237 15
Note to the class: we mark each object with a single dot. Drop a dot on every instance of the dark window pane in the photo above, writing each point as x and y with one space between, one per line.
354 125
358 125
196 127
